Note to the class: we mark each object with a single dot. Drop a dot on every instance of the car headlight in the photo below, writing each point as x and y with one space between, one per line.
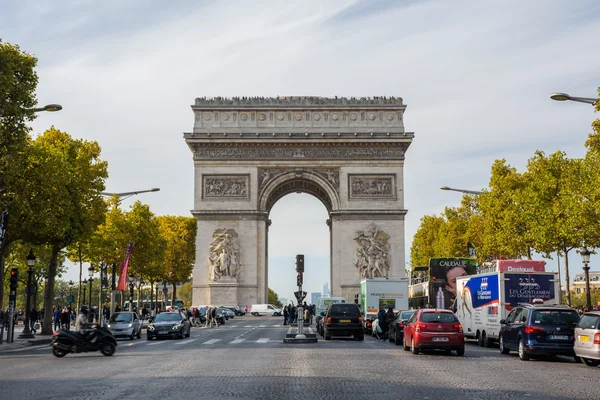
177 327
130 325
150 327
108 326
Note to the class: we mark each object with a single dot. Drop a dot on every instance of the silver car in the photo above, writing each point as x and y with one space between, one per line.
125 323
587 338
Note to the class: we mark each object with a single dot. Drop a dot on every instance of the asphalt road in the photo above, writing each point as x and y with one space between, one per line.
246 358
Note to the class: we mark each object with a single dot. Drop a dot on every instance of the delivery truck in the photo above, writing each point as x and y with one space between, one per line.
386 292
484 299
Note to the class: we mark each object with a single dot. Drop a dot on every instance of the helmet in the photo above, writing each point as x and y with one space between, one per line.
83 309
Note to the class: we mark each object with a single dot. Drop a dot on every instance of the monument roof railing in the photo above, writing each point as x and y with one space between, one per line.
298 134
299 101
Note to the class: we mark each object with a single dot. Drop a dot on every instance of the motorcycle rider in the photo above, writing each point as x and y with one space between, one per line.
82 326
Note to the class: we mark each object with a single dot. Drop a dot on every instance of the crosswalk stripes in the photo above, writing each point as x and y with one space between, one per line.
236 341
263 340
212 341
186 341
157 343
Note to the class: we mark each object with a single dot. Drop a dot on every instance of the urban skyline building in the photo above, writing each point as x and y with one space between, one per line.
326 290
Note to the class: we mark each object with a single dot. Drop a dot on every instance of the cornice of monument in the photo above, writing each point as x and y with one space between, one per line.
298 101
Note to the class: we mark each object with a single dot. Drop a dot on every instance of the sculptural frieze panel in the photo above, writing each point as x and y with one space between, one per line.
298 101
371 186
365 152
224 255
225 186
372 253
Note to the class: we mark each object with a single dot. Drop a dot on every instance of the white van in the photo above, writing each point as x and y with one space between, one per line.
323 302
265 309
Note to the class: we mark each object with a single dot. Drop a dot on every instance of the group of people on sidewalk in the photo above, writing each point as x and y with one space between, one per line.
290 313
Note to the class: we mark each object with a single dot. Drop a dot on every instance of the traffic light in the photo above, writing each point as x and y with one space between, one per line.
356 298
300 263
14 279
299 279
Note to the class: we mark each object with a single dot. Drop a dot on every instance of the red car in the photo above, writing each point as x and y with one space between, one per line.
434 329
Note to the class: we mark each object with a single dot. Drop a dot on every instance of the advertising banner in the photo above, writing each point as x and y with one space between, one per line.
124 268
519 288
442 279
521 266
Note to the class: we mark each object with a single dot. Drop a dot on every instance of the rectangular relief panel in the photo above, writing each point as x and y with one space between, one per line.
226 187
371 186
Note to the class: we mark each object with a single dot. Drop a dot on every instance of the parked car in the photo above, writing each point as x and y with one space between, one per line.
226 312
539 330
237 311
169 324
587 339
396 327
125 324
429 329
343 319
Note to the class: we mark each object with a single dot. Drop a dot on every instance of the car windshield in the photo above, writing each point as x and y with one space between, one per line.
406 314
167 317
346 310
438 317
554 317
121 317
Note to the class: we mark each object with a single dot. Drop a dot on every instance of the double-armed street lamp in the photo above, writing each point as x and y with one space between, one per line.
27 330
84 289
566 97
585 258
475 192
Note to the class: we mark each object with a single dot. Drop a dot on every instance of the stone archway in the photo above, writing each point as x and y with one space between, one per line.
250 152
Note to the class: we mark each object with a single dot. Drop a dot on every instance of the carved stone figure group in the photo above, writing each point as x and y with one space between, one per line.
225 187
224 256
372 186
372 253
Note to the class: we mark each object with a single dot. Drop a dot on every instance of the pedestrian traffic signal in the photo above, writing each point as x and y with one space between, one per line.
299 279
356 298
300 263
14 279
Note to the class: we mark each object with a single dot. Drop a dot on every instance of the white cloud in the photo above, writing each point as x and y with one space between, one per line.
476 78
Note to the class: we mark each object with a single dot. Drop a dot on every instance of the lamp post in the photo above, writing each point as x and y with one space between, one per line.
84 282
124 195
565 97
585 258
91 271
165 293
48 107
30 263
476 192
130 293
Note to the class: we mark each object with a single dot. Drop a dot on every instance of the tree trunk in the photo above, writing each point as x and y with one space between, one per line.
151 295
567 278
2 273
49 296
174 295
80 273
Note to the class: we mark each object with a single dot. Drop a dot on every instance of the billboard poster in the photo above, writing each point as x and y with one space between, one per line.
521 266
519 288
442 279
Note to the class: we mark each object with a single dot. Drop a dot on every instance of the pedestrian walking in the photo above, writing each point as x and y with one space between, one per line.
56 316
381 322
246 309
286 315
33 315
65 319
214 317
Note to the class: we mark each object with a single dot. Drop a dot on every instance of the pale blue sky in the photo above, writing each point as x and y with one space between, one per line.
476 77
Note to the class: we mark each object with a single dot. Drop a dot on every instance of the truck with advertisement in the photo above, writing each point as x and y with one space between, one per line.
386 292
483 300
443 273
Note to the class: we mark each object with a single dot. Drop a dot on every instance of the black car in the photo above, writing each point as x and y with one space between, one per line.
168 324
343 319
533 330
396 328
220 316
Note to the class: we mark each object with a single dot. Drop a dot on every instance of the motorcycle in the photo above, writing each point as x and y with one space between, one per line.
64 342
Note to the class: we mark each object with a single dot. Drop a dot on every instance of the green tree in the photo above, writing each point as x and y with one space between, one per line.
426 240
179 235
71 207
185 293
273 298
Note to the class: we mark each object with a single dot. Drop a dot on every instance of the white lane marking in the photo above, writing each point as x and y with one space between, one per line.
212 341
262 326
132 344
263 340
28 348
276 326
157 343
236 341
186 341
234 326
248 326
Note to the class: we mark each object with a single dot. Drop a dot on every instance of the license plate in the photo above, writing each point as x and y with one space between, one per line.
558 337
440 339
584 338
344 320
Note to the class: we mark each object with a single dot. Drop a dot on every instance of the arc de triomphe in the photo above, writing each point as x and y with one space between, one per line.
250 152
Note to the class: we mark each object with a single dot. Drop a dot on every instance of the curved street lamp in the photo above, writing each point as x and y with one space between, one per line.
124 195
476 192
27 329
585 259
47 107
565 97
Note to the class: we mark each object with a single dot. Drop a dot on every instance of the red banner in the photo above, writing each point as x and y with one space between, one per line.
124 267
521 266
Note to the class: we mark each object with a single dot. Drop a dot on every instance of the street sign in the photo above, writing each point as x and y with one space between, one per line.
70 299
300 296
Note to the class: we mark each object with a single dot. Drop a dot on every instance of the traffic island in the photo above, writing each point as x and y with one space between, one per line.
300 338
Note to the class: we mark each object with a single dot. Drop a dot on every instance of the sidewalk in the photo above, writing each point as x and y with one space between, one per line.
21 343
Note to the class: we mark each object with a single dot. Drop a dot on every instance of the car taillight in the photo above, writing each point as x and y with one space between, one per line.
533 329
360 320
328 320
458 327
597 338
418 327
400 324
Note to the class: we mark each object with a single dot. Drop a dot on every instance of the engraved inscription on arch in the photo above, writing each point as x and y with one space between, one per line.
373 186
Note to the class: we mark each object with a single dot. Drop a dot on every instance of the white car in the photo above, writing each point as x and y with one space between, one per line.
125 323
265 309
